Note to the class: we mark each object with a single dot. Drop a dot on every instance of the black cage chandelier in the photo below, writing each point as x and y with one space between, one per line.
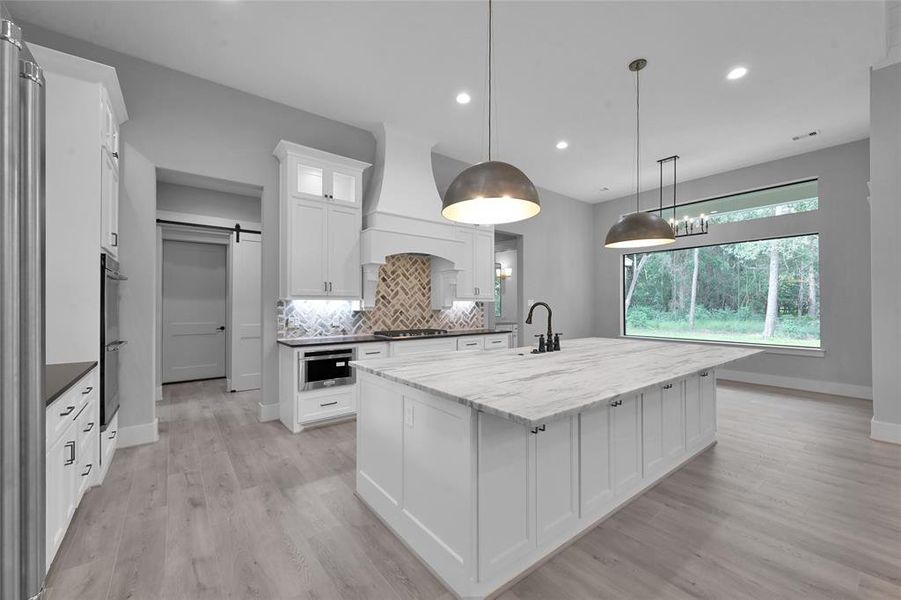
687 226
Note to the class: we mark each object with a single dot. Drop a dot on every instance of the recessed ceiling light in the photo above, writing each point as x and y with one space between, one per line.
463 98
562 145
737 73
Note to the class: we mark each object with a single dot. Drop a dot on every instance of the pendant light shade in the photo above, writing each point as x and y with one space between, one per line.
639 229
491 193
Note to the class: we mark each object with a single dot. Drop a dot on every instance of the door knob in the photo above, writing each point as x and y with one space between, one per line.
220 328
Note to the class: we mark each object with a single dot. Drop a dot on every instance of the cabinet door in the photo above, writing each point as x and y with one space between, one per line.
483 264
465 278
692 412
307 249
345 185
652 430
707 391
627 446
325 404
62 462
506 494
556 479
344 273
673 432
109 203
309 179
594 451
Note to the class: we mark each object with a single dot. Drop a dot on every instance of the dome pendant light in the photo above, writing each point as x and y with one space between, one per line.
490 192
639 228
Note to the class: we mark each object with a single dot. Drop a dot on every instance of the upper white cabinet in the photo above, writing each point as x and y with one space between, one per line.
84 109
475 280
320 222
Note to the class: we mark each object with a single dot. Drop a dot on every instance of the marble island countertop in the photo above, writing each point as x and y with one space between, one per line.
534 388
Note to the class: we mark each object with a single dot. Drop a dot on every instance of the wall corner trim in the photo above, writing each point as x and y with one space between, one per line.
882 431
796 383
137 435
267 412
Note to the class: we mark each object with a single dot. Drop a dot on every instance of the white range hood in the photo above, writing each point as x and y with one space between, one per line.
402 212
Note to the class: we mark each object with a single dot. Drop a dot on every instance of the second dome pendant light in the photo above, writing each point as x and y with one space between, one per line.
491 192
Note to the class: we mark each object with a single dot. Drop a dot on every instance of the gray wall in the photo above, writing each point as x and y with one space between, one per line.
558 246
844 226
207 203
885 244
190 125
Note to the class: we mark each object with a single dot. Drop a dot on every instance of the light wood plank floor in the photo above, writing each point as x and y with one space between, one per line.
794 502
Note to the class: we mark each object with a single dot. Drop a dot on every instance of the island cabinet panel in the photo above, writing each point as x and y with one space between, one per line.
506 495
557 478
594 461
707 392
652 430
380 439
627 445
436 477
673 414
692 411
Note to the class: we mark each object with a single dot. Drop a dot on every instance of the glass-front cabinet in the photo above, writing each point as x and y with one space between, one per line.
317 179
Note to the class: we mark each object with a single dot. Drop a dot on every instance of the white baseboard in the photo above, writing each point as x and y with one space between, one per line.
796 383
267 412
885 432
159 393
136 435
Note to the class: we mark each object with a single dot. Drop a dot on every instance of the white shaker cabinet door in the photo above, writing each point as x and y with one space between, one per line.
343 272
595 461
692 412
109 203
556 478
673 431
627 445
483 265
652 430
466 286
708 404
306 262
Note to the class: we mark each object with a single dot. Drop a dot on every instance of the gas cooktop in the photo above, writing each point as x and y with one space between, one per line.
405 333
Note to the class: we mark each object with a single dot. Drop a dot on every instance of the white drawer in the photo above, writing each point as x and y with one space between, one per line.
62 412
444 344
326 404
470 342
109 440
368 351
497 341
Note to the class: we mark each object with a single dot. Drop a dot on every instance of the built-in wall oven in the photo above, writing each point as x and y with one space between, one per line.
319 369
110 342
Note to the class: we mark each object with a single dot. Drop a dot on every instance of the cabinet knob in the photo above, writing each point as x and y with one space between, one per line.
668 386
85 474
87 390
67 412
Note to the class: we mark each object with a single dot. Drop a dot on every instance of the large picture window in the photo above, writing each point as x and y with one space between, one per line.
758 292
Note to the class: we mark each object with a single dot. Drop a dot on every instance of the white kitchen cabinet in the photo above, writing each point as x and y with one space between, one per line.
329 403
595 465
556 478
707 393
436 344
663 427
627 445
109 203
109 440
475 281
692 411
673 422
61 481
471 342
497 341
320 223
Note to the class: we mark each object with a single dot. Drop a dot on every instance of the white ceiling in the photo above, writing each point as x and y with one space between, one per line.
560 73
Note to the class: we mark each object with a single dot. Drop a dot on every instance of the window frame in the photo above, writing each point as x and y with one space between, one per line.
787 226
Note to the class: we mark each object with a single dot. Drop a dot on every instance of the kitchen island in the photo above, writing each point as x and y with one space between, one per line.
486 463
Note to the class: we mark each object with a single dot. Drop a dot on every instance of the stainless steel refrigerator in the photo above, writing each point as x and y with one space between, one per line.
22 516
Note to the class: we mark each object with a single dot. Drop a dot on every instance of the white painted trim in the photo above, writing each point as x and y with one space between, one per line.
267 412
171 215
796 383
159 393
884 431
768 349
136 435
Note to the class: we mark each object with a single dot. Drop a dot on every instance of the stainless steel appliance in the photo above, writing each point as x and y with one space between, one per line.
325 368
110 342
22 428
395 334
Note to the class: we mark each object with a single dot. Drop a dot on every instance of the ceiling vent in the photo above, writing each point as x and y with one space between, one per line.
802 136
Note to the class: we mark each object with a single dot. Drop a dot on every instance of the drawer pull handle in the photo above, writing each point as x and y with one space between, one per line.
71 459
112 435
68 412
87 390
668 386
90 427
85 474
705 373
372 353
329 403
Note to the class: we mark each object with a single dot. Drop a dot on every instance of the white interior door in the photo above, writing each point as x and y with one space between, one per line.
244 322
194 310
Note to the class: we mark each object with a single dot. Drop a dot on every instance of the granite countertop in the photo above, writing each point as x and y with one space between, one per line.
60 377
363 339
534 388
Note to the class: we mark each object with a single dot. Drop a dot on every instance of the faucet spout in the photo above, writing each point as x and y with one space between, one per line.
550 329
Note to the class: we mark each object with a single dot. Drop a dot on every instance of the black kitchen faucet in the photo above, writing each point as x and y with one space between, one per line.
553 340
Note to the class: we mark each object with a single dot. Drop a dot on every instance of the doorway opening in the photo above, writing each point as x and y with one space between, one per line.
508 284
209 242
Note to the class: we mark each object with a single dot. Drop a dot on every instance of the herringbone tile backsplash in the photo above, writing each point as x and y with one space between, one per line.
403 301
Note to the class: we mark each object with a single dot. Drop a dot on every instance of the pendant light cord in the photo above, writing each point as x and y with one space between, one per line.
637 139
490 53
